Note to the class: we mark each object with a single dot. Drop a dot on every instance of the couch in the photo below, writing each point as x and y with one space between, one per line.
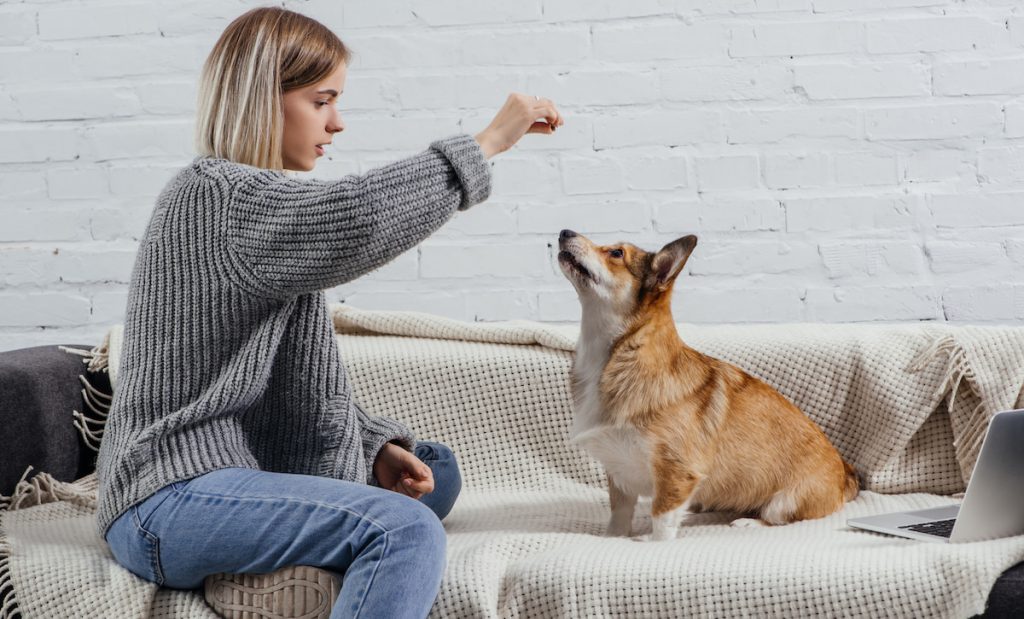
41 387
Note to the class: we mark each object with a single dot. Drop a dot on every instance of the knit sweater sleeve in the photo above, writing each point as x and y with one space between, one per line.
376 432
289 236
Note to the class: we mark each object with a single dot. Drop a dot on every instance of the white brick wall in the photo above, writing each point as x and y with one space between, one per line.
840 160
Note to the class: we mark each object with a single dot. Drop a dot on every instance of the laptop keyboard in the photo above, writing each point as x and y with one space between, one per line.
940 528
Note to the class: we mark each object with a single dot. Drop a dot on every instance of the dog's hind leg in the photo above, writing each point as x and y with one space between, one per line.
623 505
746 523
780 509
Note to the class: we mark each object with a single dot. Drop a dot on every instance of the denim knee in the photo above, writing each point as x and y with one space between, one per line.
444 452
420 531
445 458
447 477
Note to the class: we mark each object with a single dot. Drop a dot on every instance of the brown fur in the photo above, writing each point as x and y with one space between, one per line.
720 437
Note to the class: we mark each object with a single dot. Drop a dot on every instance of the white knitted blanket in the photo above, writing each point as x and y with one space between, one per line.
525 537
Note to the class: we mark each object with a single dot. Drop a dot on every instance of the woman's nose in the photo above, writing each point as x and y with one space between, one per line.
337 124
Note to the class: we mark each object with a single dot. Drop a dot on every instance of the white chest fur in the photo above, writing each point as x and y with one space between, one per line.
623 451
625 454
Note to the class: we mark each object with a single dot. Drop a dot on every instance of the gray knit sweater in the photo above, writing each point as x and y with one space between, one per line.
229 357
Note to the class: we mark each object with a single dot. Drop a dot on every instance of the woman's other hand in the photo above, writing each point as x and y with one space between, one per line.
520 115
398 470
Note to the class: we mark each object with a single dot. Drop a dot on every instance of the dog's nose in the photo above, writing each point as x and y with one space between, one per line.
566 234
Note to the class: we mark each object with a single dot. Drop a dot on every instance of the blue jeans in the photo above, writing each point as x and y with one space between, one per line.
389 548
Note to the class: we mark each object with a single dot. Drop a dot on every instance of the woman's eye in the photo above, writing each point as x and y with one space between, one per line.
319 103
615 253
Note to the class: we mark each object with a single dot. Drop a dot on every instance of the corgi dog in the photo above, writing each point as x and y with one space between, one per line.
692 432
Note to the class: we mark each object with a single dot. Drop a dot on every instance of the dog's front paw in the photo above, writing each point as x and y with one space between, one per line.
641 537
747 523
618 530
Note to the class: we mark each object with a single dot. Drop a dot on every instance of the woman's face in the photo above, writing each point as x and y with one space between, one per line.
311 120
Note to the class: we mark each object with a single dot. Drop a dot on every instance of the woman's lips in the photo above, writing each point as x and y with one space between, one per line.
319 150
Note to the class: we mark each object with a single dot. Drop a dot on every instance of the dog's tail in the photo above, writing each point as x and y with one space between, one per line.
853 482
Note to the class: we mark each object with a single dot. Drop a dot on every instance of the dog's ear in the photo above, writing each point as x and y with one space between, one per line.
670 260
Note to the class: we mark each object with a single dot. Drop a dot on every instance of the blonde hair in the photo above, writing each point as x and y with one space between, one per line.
261 55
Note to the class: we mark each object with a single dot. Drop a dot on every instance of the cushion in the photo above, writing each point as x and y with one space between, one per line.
40 389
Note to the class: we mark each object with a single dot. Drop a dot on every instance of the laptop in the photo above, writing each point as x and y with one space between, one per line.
993 505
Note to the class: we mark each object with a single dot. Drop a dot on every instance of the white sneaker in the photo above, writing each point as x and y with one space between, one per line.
296 592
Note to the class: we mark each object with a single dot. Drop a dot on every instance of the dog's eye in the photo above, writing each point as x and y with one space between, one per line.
615 253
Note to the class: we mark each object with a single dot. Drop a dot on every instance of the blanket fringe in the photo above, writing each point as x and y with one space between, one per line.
958 369
40 489
91 427
8 600
92 423
97 358
43 488
975 433
968 445
8 501
957 365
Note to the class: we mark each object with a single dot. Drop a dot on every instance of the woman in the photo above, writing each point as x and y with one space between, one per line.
233 443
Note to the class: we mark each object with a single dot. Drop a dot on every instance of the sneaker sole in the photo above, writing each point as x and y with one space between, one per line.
299 592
